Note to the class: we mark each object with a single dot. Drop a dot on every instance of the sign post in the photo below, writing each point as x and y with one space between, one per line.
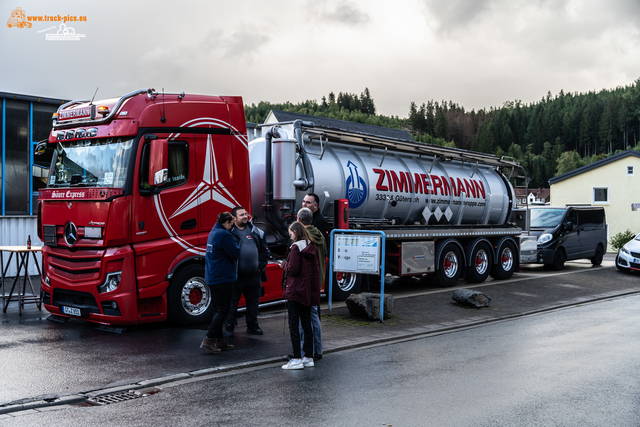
358 252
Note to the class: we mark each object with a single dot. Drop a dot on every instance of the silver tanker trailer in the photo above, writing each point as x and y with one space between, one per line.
444 211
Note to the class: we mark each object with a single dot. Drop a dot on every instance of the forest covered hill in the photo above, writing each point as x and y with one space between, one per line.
555 135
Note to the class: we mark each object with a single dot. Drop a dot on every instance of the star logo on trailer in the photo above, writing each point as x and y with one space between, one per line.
356 187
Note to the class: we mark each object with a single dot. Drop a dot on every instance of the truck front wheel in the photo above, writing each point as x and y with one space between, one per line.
506 262
189 297
449 266
345 284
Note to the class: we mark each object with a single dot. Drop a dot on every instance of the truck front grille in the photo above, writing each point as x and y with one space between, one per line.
81 265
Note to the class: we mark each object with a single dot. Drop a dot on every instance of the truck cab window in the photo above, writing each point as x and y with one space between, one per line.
178 165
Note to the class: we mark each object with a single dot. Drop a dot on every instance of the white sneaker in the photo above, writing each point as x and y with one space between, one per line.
307 362
294 364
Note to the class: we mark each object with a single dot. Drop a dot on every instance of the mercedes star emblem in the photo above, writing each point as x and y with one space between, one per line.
70 234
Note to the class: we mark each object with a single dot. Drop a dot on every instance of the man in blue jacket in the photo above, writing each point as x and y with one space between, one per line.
220 273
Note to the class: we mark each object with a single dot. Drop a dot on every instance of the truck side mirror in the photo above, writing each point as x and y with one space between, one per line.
41 148
158 155
568 226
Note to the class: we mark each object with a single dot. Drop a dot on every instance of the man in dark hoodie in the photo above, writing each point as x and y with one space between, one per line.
305 217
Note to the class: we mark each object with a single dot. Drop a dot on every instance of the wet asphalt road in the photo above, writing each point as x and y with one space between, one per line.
576 366
47 360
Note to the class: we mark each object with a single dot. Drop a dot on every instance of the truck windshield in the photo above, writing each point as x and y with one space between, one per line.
546 218
99 162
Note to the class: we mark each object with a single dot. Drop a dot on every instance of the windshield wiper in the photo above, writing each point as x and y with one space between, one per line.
86 184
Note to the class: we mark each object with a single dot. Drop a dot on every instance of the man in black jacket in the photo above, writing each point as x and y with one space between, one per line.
311 201
251 264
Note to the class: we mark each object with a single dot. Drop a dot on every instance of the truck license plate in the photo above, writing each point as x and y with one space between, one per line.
71 311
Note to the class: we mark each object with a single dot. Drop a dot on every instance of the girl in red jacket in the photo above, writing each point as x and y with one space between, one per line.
301 292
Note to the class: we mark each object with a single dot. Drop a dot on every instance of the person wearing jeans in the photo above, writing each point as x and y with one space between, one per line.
305 217
301 292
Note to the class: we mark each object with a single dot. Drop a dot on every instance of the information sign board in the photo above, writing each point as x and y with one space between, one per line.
356 253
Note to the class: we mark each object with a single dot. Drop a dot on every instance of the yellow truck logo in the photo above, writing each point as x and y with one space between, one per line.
18 19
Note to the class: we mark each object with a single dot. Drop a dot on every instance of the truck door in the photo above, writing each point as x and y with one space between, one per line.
214 172
163 223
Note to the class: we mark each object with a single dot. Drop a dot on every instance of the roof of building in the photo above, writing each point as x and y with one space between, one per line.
539 193
594 165
342 125
31 98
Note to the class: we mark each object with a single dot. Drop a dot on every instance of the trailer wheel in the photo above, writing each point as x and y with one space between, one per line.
506 264
345 284
189 297
480 266
449 266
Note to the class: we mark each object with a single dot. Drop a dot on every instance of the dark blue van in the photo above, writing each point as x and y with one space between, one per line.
568 233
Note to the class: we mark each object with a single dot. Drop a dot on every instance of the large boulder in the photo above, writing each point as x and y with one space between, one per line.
367 304
471 298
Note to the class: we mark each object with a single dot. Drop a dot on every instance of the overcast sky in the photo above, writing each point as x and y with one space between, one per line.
477 53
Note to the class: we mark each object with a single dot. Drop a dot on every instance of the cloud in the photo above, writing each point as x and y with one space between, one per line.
345 13
243 43
448 16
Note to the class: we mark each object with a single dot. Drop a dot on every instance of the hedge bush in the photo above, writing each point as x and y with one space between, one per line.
620 239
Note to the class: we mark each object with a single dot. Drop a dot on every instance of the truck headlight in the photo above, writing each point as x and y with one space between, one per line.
111 283
546 237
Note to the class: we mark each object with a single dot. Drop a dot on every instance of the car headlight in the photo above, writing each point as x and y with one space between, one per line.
546 237
625 251
111 283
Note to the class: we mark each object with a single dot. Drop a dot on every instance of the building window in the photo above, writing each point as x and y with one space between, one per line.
600 195
629 170
17 144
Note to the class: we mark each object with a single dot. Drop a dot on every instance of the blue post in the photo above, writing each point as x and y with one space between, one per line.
30 191
4 150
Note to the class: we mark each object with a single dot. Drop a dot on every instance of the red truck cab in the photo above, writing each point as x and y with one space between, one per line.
135 186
